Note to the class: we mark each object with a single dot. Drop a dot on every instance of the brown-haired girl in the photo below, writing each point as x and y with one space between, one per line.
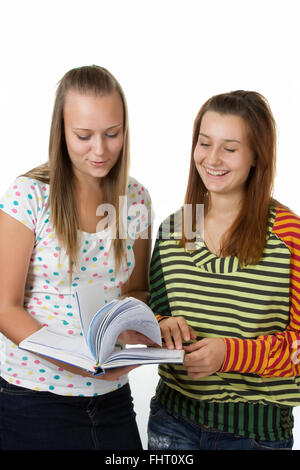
60 239
230 298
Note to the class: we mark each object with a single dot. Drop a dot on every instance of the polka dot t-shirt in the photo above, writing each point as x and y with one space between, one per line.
49 293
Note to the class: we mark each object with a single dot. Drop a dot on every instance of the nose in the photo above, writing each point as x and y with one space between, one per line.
98 145
213 157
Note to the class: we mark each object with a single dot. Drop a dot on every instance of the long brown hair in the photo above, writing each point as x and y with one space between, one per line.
58 173
247 236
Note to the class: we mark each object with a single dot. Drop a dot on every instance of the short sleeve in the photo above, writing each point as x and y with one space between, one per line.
139 209
23 200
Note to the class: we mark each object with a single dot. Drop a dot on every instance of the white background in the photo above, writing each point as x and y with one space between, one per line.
169 57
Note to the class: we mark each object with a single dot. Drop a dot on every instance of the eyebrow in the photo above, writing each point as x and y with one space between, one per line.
225 140
108 128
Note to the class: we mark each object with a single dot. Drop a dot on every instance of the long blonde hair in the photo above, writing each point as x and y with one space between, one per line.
58 173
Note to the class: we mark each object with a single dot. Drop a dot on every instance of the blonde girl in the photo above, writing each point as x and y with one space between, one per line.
54 238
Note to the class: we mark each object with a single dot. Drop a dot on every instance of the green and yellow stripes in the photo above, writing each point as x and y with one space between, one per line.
252 420
232 386
242 303
159 299
250 307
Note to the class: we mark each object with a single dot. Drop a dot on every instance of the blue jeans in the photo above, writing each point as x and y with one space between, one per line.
44 421
169 431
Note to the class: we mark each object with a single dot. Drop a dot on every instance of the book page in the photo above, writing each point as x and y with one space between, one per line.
89 300
136 316
144 355
100 321
52 341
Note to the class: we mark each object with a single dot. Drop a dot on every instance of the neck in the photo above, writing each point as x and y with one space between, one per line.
87 189
221 205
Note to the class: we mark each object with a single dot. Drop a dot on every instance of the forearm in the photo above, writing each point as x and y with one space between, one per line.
16 323
269 355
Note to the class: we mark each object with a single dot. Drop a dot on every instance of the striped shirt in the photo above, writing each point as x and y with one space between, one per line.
255 309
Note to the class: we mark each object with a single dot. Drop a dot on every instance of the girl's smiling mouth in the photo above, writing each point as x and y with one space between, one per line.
214 172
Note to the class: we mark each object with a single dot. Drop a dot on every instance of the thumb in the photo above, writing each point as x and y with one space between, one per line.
195 346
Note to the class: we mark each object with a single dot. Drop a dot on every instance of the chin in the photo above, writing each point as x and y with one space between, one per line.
100 172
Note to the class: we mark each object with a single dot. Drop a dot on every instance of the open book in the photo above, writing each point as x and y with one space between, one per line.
96 350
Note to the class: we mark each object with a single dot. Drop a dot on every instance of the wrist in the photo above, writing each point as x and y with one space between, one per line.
160 318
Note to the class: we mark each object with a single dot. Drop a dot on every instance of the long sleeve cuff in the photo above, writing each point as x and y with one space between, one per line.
245 356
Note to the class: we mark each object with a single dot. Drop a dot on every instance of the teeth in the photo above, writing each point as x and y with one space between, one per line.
216 172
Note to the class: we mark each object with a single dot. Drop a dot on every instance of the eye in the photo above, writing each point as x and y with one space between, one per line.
203 144
83 137
230 150
111 136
